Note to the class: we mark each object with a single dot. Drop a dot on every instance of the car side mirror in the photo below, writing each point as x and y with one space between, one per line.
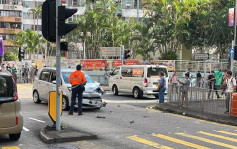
54 81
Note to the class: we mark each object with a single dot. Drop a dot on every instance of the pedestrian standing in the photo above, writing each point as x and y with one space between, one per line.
223 87
198 78
161 87
211 84
184 91
78 80
14 72
26 73
106 77
173 81
189 73
231 86
32 74
218 77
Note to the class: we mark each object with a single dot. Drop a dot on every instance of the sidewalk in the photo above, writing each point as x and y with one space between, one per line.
224 119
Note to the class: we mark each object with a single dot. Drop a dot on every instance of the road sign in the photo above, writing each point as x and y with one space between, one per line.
231 53
110 51
201 56
52 105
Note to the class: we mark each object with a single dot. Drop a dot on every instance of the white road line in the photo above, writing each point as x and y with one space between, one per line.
25 129
36 120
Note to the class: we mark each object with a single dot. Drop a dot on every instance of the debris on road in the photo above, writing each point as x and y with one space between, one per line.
100 117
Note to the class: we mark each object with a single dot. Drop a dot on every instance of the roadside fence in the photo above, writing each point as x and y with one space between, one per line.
203 99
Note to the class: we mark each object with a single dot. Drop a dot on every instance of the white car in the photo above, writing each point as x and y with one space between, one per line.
45 82
138 80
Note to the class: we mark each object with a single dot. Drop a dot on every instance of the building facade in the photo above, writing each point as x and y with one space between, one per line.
10 21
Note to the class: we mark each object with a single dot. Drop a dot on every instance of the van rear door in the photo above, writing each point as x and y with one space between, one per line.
7 104
153 75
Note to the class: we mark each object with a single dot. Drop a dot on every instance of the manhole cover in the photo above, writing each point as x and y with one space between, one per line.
62 146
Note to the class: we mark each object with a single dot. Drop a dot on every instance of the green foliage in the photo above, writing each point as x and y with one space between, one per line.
167 26
169 55
9 56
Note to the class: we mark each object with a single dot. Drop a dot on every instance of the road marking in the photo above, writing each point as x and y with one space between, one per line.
25 129
214 123
36 120
218 136
147 142
207 140
228 133
10 147
180 141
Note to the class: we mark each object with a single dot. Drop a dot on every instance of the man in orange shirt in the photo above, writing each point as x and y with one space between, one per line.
78 80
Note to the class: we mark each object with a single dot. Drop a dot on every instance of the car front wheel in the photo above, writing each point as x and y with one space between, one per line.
65 103
14 137
36 97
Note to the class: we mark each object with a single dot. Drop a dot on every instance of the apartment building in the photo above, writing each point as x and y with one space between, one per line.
10 21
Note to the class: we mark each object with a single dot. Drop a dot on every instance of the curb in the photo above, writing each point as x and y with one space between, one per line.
208 117
66 135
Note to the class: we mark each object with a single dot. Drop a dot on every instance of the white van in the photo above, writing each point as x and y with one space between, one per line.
137 79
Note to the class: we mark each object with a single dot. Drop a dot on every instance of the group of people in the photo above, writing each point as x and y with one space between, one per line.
216 81
28 74
10 69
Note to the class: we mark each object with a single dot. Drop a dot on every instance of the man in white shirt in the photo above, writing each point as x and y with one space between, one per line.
231 86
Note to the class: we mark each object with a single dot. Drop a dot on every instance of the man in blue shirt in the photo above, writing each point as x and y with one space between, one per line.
161 87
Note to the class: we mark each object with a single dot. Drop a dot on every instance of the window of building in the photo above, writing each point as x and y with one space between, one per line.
27 27
28 4
27 15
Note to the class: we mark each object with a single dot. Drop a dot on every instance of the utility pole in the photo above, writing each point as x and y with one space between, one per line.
58 71
138 2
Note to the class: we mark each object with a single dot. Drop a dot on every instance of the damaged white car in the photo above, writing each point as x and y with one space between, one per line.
45 82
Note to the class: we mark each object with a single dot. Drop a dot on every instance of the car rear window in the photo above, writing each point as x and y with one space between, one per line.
154 71
6 87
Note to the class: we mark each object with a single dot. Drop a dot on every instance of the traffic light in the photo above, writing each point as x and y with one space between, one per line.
21 54
126 54
49 20
63 14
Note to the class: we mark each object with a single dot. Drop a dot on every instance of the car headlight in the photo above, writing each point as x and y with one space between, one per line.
69 88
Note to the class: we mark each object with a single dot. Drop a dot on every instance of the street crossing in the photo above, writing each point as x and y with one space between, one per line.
198 140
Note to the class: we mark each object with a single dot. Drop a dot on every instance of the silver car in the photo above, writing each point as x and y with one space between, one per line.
11 118
45 82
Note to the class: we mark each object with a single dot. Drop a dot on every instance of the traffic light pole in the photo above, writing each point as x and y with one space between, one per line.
234 43
58 71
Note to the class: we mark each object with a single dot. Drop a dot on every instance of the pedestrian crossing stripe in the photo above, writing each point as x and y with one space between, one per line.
218 136
180 141
228 133
11 147
147 142
207 140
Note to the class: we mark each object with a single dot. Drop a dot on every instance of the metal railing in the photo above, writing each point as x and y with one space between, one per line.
203 99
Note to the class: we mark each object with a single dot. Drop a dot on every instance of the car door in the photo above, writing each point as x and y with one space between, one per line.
125 80
43 84
51 84
115 77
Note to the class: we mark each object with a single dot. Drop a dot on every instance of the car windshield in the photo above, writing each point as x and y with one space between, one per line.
66 76
6 87
154 71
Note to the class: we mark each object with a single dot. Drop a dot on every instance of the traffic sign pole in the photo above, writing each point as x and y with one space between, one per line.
58 71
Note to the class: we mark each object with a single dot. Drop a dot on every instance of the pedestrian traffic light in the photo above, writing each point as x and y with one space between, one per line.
235 52
63 14
21 54
126 54
49 20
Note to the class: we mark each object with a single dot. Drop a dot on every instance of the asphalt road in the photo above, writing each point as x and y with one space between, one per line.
125 123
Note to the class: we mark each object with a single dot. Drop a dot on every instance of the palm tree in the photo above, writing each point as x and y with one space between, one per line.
36 12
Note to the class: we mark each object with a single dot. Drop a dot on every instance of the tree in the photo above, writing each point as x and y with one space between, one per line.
36 11
8 56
